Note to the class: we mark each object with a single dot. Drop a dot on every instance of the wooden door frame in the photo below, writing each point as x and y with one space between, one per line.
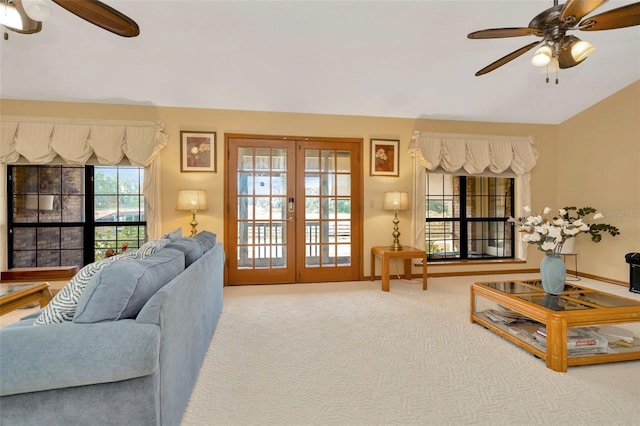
359 256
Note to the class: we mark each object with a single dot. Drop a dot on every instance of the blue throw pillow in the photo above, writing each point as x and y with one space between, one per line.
120 290
206 238
191 248
173 235
62 307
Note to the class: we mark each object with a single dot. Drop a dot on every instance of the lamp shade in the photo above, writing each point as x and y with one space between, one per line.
9 16
191 200
542 56
38 10
581 50
396 201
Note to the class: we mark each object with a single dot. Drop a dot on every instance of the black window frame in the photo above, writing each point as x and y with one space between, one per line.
88 226
464 221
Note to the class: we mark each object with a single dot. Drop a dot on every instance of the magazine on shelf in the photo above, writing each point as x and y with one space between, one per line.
585 339
616 335
506 316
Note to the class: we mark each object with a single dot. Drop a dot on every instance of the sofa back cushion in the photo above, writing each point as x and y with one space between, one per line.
121 289
206 238
191 248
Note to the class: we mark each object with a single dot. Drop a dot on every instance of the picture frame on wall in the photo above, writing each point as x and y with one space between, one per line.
385 160
197 151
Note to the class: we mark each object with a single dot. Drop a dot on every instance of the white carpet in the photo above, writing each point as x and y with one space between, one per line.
350 354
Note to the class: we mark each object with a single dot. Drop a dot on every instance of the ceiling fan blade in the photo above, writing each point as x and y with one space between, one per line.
511 56
625 16
504 32
101 15
574 10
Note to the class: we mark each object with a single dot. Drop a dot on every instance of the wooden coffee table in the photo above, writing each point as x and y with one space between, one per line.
575 307
17 295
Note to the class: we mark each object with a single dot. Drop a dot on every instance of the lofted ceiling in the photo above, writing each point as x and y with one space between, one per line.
372 58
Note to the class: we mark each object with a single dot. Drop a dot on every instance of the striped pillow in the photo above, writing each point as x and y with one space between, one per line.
62 307
150 247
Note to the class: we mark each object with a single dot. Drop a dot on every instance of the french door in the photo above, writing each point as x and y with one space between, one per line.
294 209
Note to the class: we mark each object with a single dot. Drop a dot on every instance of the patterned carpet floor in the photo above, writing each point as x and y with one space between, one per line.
350 354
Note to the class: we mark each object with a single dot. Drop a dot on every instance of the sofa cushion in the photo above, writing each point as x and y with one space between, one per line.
206 238
120 290
191 248
62 307
173 235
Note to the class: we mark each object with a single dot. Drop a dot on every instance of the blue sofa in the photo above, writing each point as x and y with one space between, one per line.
131 370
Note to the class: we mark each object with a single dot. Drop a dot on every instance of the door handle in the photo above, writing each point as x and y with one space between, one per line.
291 205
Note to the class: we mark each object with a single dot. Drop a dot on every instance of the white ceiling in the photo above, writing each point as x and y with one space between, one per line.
383 58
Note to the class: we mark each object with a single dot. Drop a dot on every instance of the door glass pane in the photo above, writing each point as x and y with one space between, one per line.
245 208
245 182
262 208
278 181
312 184
328 186
343 161
343 187
328 160
328 228
245 158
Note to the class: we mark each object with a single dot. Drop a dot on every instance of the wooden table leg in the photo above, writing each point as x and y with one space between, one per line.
407 269
557 345
373 266
424 272
385 272
45 297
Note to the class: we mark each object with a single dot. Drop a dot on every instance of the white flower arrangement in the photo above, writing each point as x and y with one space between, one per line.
550 234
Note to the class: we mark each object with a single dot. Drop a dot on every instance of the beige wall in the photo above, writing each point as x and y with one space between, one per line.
598 165
549 181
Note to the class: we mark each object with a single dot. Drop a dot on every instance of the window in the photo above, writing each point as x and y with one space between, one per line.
466 217
71 215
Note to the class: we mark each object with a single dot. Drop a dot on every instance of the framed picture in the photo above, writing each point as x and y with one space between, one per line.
197 151
384 157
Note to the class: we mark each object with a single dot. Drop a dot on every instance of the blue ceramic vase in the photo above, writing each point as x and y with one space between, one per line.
553 271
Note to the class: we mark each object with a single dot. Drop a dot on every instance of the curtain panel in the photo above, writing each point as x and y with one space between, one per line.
463 154
80 142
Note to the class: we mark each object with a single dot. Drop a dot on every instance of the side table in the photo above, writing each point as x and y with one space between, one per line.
385 253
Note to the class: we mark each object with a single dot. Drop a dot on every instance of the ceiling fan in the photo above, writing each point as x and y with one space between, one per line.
556 47
26 16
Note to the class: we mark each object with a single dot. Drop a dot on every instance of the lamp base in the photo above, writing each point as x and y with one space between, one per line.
194 224
396 235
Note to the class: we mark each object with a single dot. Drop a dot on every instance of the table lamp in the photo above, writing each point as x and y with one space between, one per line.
192 200
396 201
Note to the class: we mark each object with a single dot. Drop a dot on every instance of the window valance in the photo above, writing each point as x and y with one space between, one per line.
41 140
474 154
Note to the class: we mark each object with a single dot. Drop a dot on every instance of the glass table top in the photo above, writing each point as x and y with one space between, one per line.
8 288
573 298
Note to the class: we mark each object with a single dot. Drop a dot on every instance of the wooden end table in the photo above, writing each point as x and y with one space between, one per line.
385 253
16 295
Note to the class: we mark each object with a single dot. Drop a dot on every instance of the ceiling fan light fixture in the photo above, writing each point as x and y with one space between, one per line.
9 16
542 56
581 49
38 10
